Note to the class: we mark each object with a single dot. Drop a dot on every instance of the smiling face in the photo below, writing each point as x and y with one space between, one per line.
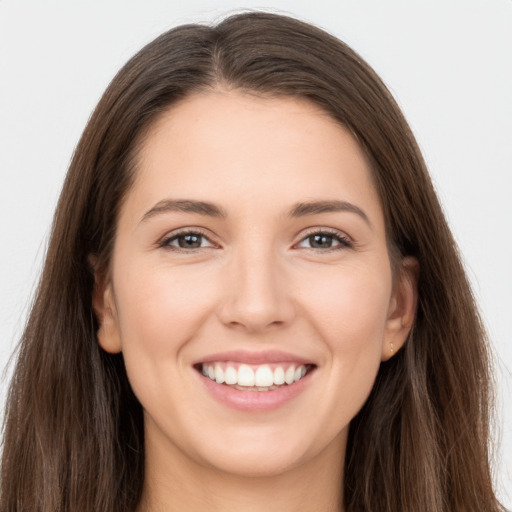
250 290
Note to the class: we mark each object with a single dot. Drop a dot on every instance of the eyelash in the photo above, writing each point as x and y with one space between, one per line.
166 242
344 241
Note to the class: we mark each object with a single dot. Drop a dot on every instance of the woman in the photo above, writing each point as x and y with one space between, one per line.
251 298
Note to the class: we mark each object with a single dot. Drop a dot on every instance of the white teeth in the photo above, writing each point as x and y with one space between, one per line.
290 375
230 375
278 376
219 374
264 376
259 378
245 375
298 373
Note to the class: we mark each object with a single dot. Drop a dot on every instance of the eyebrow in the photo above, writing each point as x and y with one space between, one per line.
316 207
186 206
302 209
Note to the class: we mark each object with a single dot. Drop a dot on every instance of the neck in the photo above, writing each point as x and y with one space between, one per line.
176 483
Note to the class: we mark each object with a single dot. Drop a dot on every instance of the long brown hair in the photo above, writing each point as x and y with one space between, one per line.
74 437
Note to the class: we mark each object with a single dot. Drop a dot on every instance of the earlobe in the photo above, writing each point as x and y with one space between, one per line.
402 308
104 306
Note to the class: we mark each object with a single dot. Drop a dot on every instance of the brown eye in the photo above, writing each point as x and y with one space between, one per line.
189 241
320 241
186 241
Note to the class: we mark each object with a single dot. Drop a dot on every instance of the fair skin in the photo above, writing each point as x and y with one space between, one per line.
253 281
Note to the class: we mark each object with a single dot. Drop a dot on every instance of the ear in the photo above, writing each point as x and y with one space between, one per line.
105 308
402 307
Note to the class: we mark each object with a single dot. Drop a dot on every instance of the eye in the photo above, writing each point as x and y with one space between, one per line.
187 241
325 240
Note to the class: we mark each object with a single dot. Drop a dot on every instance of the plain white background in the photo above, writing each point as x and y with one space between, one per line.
448 63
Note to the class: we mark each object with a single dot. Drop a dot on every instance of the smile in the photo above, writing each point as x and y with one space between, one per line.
245 377
255 382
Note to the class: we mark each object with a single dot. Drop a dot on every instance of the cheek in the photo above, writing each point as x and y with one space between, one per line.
351 320
160 310
160 307
350 306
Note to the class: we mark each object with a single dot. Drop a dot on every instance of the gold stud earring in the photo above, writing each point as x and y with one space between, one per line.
392 348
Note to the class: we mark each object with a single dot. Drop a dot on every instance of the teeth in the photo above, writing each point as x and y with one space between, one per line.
289 376
257 378
219 374
278 376
230 375
264 376
245 376
254 388
300 372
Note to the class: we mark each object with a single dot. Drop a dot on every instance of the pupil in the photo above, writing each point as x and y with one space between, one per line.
189 241
321 241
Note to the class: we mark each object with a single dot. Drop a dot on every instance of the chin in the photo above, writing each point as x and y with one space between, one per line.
267 451
259 461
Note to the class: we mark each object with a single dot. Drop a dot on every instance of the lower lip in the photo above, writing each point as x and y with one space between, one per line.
256 401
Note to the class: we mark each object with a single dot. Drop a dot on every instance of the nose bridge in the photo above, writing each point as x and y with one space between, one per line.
256 296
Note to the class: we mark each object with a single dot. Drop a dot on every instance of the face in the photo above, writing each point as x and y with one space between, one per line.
250 287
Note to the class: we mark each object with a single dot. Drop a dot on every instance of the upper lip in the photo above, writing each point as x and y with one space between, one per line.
255 357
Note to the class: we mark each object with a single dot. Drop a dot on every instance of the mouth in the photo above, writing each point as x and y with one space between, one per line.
254 377
255 382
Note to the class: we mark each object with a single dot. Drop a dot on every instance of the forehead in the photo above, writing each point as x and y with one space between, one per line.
226 146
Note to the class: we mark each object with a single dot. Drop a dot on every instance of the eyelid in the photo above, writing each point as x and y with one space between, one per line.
164 242
344 240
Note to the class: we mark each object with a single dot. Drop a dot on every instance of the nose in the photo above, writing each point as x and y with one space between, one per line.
257 295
